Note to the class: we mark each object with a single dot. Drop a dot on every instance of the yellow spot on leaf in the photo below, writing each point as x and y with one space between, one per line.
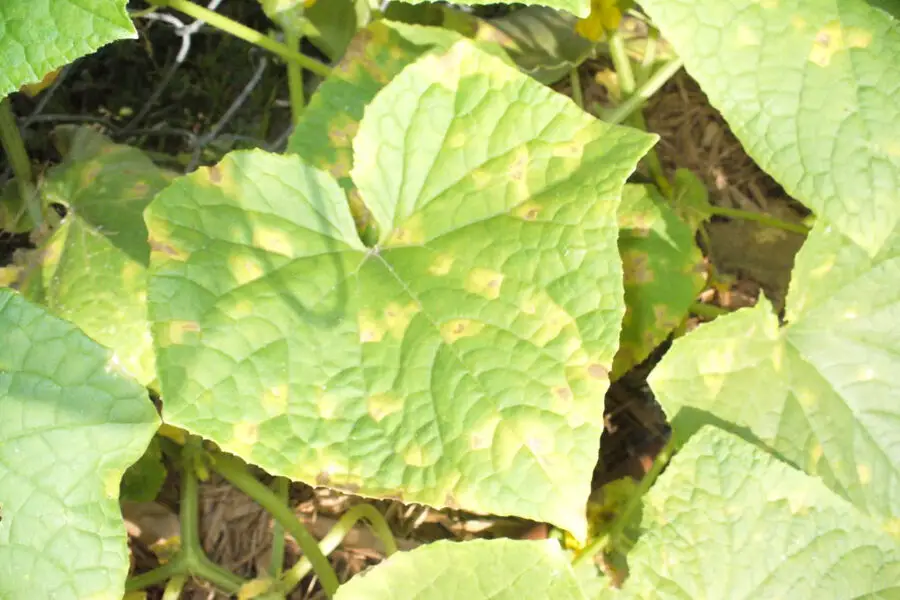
244 268
380 406
747 36
239 310
481 437
457 140
519 167
275 399
798 23
864 473
272 240
397 317
456 329
132 274
177 331
441 265
528 211
892 527
481 179
244 436
111 482
410 233
416 455
850 314
370 330
834 38
815 455
484 282
327 404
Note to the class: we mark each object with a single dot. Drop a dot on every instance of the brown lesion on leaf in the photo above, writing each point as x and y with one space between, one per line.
833 37
597 371
636 267
167 249
214 173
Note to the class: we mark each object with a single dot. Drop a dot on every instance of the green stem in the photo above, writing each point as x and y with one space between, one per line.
621 521
577 93
11 139
245 33
195 559
621 63
646 66
762 219
647 89
232 470
282 489
173 568
174 587
636 120
337 534
190 560
295 76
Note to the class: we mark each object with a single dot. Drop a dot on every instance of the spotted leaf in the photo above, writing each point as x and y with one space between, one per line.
93 270
820 391
810 89
459 361
728 520
663 270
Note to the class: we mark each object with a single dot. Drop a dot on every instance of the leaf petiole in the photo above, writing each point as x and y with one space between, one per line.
337 534
236 473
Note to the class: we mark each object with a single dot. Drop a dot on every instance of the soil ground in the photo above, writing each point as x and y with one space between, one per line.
111 88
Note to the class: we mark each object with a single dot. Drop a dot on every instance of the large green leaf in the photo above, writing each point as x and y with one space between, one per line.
810 89
728 520
93 269
38 36
821 391
663 270
579 8
71 424
461 361
476 570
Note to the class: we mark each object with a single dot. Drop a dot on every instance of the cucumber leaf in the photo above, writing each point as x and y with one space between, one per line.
462 360
72 423
663 270
810 89
727 520
324 135
475 570
38 37
821 391
93 270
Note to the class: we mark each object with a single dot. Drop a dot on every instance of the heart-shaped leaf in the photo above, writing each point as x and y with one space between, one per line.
462 360
71 423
